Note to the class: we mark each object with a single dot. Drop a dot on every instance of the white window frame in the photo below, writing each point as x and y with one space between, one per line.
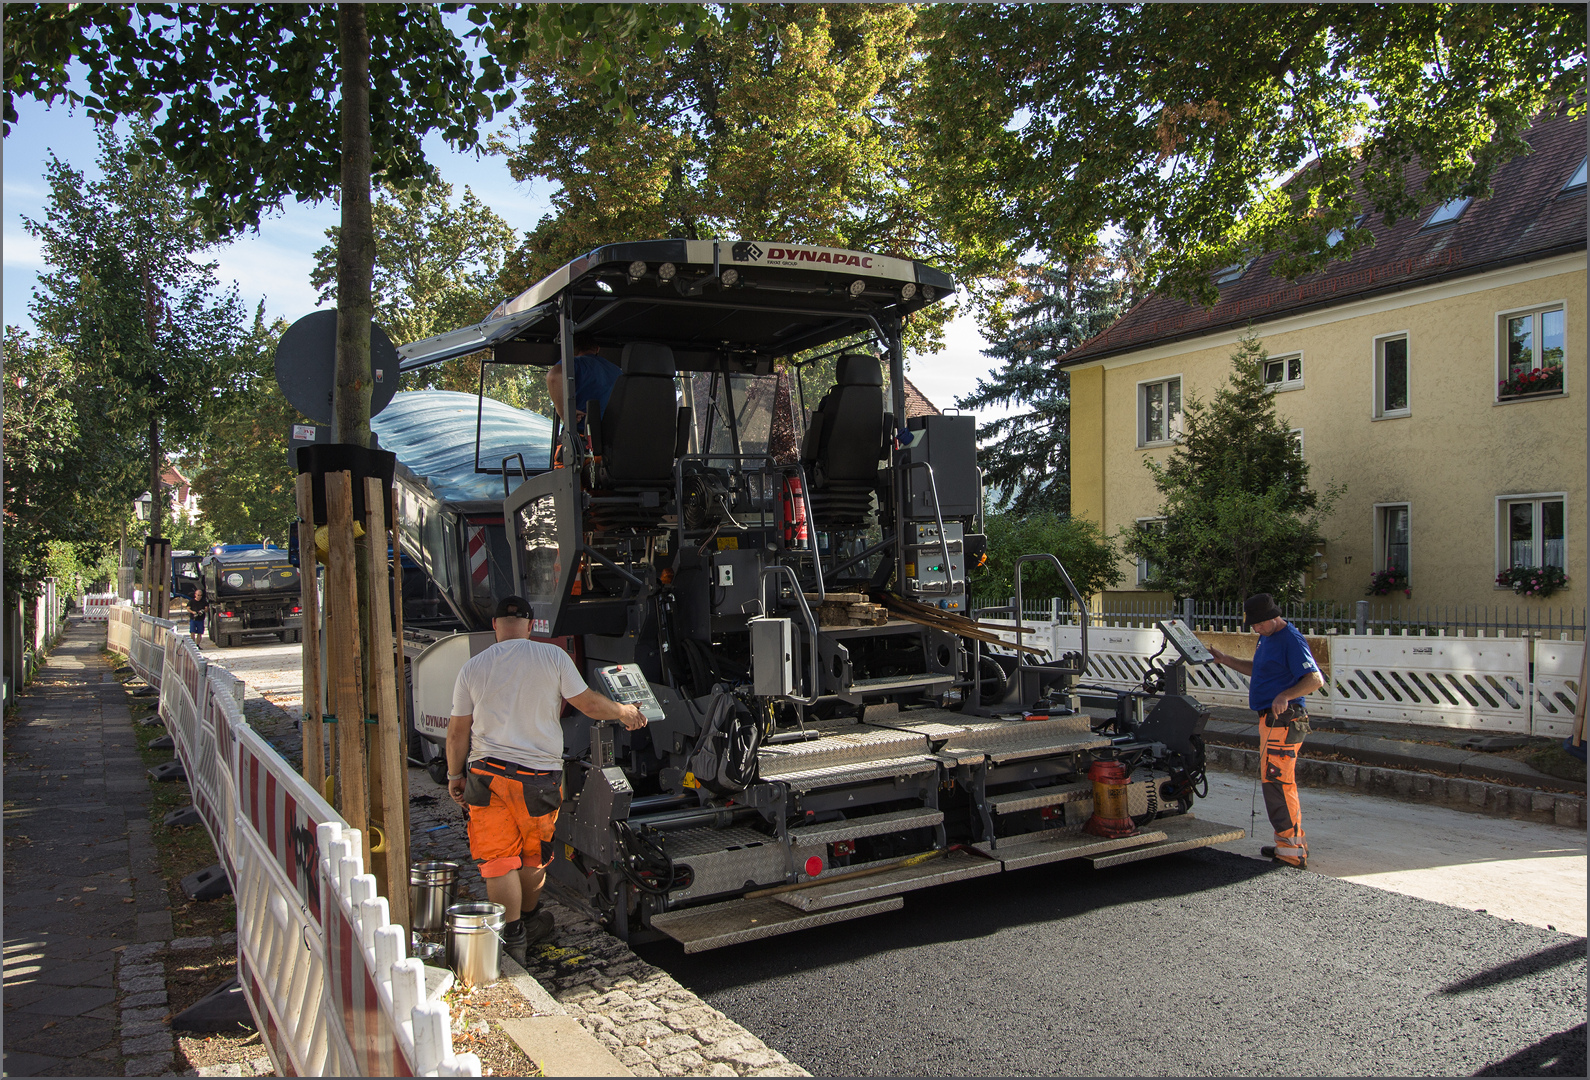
1502 318
1174 435
1287 382
1383 541
1453 209
1297 433
1576 181
1504 554
1142 563
1378 410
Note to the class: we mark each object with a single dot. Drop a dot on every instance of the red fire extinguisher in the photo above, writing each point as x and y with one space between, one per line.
797 536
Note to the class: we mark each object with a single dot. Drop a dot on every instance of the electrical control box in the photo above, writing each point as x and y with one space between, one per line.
929 577
949 445
735 581
626 684
773 657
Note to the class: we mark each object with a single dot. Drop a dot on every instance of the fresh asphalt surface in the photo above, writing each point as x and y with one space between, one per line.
1207 963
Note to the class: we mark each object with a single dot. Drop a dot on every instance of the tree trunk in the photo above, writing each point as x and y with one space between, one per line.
356 244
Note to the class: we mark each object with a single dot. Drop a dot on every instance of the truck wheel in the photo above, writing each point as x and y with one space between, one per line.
227 640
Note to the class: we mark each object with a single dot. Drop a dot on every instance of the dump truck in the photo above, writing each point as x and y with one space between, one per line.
251 592
780 583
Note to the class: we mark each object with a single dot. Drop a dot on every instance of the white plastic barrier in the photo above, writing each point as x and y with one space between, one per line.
1477 683
325 974
119 629
147 647
1558 667
97 606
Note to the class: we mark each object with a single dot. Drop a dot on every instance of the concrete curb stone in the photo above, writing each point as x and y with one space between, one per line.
1482 796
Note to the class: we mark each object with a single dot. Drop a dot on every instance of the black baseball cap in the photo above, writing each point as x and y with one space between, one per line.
512 607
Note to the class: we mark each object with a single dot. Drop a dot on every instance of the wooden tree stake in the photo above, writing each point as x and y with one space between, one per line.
314 729
342 597
391 739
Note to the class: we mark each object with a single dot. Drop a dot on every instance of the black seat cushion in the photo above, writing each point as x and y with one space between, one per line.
639 426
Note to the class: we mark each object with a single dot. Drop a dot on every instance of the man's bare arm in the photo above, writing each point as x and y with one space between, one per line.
1244 666
598 707
458 729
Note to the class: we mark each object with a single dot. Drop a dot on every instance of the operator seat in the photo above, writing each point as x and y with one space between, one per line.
845 442
638 439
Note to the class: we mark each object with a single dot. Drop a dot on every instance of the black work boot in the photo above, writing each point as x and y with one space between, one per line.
538 925
514 942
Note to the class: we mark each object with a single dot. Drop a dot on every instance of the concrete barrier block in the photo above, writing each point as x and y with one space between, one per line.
1565 810
1542 802
1475 793
1349 774
1402 784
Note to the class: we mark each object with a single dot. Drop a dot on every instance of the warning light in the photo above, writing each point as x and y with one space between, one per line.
814 866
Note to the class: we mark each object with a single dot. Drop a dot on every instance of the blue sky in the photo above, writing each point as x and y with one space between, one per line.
274 264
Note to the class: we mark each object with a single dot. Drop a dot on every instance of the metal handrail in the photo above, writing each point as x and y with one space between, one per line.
1060 669
938 515
815 681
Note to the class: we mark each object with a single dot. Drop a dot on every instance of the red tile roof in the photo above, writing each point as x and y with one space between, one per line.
916 402
1528 217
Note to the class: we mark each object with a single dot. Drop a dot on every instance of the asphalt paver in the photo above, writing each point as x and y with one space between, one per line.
1200 964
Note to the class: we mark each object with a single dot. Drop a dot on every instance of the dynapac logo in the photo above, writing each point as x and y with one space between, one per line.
749 252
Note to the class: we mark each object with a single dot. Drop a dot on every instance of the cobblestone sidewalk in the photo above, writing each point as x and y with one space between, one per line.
85 906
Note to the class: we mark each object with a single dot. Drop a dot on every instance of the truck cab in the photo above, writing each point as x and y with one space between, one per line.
250 593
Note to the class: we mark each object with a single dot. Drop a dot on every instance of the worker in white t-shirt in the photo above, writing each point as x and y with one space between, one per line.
505 763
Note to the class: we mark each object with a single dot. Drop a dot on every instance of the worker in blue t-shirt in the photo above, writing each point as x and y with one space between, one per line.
594 378
1282 674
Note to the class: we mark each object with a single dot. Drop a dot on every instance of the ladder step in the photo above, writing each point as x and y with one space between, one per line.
855 773
855 828
1017 801
715 925
1057 845
1183 833
954 867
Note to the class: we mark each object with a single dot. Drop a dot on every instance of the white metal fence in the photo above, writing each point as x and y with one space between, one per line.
1526 686
326 975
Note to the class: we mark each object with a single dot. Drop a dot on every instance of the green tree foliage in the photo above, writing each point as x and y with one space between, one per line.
1082 547
126 294
1238 516
66 476
1045 124
794 128
1026 455
244 482
308 101
437 271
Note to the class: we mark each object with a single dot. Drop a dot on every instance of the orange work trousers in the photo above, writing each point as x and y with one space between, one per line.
1279 741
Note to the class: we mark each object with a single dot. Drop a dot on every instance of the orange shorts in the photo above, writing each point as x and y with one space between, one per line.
511 818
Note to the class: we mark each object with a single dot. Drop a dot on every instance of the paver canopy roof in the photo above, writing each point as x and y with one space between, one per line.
1528 216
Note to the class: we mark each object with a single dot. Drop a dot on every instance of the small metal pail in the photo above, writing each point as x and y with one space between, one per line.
432 886
474 933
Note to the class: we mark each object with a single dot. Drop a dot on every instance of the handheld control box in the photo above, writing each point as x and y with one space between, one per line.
625 684
1181 638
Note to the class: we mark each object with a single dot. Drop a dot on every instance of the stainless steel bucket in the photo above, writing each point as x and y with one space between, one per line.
432 886
474 932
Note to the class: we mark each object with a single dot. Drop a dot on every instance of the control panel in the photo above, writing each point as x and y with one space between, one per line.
1182 639
929 578
625 684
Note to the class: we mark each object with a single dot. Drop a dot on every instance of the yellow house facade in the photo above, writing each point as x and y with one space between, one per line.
1440 378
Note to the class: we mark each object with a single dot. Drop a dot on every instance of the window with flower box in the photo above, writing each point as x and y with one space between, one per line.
1532 531
1532 345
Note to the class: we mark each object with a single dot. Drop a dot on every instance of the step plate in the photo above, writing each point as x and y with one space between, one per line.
1183 833
837 775
717 925
855 828
1058 845
1016 801
957 866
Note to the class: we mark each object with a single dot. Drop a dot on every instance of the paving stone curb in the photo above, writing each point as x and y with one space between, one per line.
1460 793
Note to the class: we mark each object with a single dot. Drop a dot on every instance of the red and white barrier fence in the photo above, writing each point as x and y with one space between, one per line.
97 606
326 975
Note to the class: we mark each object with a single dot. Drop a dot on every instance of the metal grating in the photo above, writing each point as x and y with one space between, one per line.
730 923
834 775
858 744
956 866
1057 845
855 828
1183 833
1017 801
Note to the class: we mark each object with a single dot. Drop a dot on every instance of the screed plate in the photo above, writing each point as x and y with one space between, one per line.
717 925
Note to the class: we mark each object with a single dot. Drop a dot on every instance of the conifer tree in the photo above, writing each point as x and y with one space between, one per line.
1026 455
1237 515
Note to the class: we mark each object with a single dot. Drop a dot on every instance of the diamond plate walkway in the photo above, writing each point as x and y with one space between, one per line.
81 879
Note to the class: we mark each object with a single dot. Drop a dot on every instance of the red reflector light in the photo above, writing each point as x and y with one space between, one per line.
226 614
814 866
296 611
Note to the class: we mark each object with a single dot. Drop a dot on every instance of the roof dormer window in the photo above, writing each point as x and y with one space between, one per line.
1576 181
1227 274
1449 211
1335 236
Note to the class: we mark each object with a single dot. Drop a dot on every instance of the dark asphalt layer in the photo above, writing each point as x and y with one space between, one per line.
1200 964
